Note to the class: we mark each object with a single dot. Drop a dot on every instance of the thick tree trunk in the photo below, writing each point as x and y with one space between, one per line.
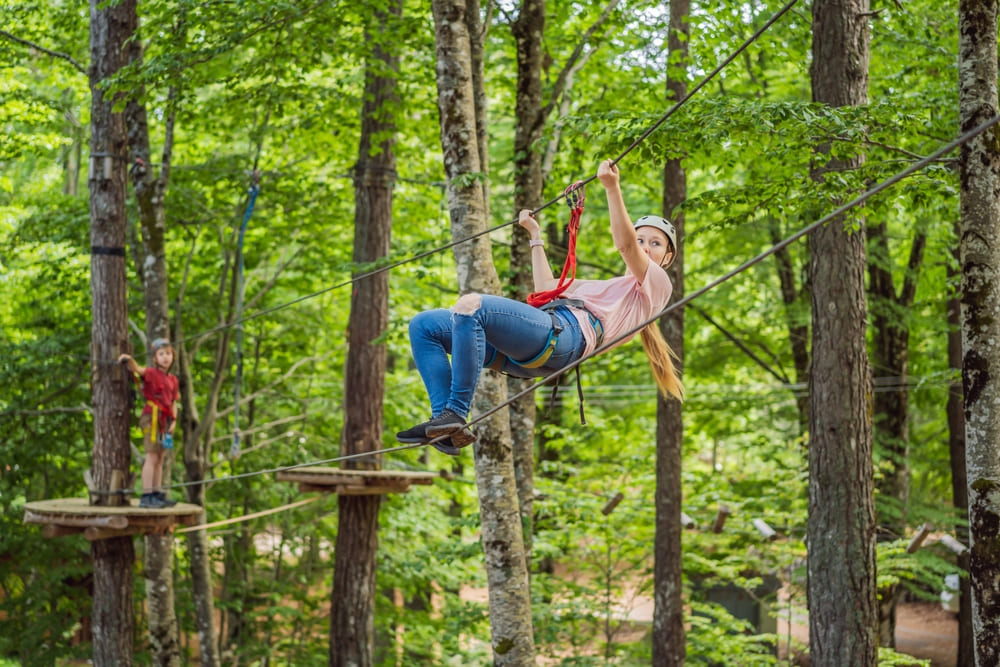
113 615
506 568
979 168
668 611
352 608
956 450
527 29
352 601
841 529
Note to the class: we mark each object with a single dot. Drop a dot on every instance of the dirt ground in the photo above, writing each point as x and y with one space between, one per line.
923 629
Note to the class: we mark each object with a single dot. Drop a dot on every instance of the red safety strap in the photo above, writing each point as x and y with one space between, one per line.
574 197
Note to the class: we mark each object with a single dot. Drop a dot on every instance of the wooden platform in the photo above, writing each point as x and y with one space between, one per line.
72 516
355 482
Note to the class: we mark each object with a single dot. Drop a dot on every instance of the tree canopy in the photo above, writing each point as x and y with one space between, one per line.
277 87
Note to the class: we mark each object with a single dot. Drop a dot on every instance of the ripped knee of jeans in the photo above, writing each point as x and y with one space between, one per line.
468 304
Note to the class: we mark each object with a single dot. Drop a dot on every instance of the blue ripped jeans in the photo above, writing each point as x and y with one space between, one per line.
509 327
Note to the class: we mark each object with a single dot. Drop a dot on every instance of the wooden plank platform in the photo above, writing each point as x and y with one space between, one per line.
355 482
73 516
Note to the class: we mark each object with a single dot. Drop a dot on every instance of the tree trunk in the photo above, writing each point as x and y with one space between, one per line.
510 603
798 330
956 450
113 615
979 169
197 435
841 527
527 30
352 601
149 190
352 608
891 348
668 610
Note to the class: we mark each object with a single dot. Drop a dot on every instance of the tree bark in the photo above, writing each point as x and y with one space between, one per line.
503 547
979 175
798 330
352 601
841 526
668 610
527 29
956 451
149 191
196 445
113 615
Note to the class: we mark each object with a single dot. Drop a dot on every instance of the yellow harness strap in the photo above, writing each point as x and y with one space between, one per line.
496 363
155 422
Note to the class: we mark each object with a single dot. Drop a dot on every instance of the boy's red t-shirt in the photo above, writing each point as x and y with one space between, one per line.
160 388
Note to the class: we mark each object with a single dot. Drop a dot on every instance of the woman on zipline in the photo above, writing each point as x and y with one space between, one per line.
536 339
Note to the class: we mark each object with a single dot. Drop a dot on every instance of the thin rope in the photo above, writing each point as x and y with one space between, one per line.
388 267
914 167
248 517
294 466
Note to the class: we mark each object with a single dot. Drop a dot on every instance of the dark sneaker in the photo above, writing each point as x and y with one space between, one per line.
450 424
416 434
445 447
151 501
162 497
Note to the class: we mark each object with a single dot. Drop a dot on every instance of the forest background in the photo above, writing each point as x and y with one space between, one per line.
278 87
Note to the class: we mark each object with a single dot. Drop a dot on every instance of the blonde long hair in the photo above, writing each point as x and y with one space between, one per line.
661 360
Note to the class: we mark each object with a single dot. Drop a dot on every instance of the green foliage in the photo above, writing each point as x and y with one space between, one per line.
887 657
277 86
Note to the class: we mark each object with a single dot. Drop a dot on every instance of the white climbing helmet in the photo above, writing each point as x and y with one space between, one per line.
160 342
662 224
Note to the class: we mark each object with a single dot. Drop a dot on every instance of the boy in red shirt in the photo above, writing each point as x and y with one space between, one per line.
161 390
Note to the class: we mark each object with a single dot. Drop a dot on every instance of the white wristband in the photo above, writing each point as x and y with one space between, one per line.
536 243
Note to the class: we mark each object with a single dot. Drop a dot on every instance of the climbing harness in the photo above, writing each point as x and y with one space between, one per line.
498 360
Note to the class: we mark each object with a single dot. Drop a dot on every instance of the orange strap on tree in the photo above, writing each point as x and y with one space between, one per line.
574 197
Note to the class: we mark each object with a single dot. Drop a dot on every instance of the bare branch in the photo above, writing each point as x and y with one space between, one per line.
568 68
260 392
262 427
49 52
47 411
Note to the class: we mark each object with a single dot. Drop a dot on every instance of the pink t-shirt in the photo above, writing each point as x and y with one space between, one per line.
621 304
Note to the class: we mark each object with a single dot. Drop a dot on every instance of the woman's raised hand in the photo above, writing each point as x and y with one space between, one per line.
527 220
608 174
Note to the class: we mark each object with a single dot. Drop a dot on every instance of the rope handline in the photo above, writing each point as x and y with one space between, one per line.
579 184
248 517
914 167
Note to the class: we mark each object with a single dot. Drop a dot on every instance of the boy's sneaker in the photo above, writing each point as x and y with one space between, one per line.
162 497
151 501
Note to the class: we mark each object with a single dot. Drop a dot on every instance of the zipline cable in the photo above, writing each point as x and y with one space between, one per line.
407 260
892 180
